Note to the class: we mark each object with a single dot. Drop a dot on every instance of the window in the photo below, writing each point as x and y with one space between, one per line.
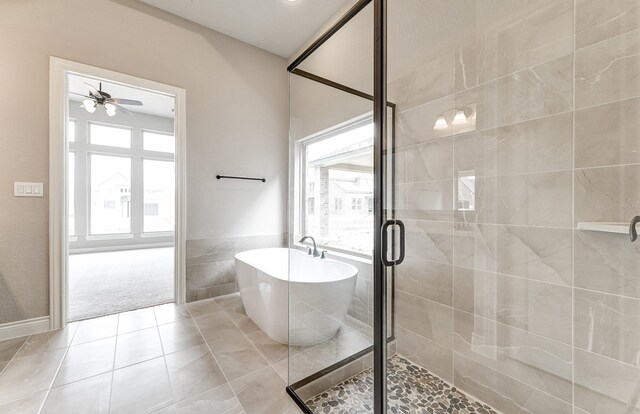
71 194
311 206
467 190
159 195
110 194
342 162
154 141
71 131
110 136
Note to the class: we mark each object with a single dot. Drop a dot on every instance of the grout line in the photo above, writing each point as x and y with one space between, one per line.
66 351
211 351
573 218
164 360
113 366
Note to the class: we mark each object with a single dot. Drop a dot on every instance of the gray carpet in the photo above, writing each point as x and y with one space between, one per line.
106 283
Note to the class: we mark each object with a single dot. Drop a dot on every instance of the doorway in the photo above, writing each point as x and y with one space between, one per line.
118 228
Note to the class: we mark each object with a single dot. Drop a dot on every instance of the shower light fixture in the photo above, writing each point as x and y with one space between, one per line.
441 123
459 117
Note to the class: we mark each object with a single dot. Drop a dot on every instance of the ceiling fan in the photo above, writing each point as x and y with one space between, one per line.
99 97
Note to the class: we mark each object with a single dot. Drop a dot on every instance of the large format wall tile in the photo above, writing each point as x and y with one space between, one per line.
539 253
426 278
426 353
541 199
534 146
425 200
503 392
425 162
542 363
607 324
608 71
430 319
598 20
610 194
541 308
512 37
607 262
426 83
430 240
535 92
603 385
608 134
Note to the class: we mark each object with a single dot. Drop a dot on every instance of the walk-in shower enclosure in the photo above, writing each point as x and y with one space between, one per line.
478 163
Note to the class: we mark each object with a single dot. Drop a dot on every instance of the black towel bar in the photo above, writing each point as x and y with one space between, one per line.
241 178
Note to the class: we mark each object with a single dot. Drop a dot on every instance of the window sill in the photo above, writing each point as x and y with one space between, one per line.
337 254
109 237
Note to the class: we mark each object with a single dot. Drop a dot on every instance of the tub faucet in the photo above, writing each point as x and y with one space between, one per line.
313 252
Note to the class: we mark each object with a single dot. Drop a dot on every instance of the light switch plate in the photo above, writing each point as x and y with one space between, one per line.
22 189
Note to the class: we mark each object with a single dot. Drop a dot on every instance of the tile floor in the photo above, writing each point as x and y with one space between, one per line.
205 357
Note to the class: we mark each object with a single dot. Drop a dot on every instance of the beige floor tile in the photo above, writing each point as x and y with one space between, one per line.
89 396
170 313
26 377
193 371
137 347
269 348
220 400
48 341
94 329
141 388
202 307
263 392
10 347
240 362
180 335
30 405
86 360
136 320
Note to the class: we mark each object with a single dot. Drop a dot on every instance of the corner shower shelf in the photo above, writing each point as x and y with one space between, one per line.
619 228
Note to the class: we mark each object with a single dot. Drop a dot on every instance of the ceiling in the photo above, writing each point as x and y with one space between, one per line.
278 26
153 103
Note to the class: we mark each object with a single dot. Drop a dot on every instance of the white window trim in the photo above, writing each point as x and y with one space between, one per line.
58 231
300 203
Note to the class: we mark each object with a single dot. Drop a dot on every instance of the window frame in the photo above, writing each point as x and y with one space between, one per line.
83 149
301 184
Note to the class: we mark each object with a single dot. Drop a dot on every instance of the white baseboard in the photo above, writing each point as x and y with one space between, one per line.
22 328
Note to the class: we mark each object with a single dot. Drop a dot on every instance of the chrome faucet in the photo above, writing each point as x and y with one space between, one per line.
310 252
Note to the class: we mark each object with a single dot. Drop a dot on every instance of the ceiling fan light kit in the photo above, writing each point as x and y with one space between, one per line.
111 105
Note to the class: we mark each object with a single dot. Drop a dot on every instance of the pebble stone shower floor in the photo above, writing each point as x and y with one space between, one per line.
412 389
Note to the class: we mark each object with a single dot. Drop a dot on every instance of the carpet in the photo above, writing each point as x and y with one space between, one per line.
112 282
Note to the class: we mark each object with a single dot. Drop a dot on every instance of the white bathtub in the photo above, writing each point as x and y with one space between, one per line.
321 291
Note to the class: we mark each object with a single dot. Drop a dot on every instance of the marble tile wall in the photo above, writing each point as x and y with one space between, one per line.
509 301
211 265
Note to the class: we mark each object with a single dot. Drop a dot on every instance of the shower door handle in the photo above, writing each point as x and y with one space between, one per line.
633 234
385 242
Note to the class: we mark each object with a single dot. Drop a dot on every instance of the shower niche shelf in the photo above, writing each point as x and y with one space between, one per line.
606 227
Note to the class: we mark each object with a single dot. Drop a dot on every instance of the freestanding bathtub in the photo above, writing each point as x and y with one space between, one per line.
320 293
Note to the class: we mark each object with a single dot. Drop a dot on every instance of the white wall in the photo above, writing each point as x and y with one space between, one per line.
237 113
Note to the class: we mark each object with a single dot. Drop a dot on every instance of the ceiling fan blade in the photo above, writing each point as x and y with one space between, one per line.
121 101
79 94
123 109
93 90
